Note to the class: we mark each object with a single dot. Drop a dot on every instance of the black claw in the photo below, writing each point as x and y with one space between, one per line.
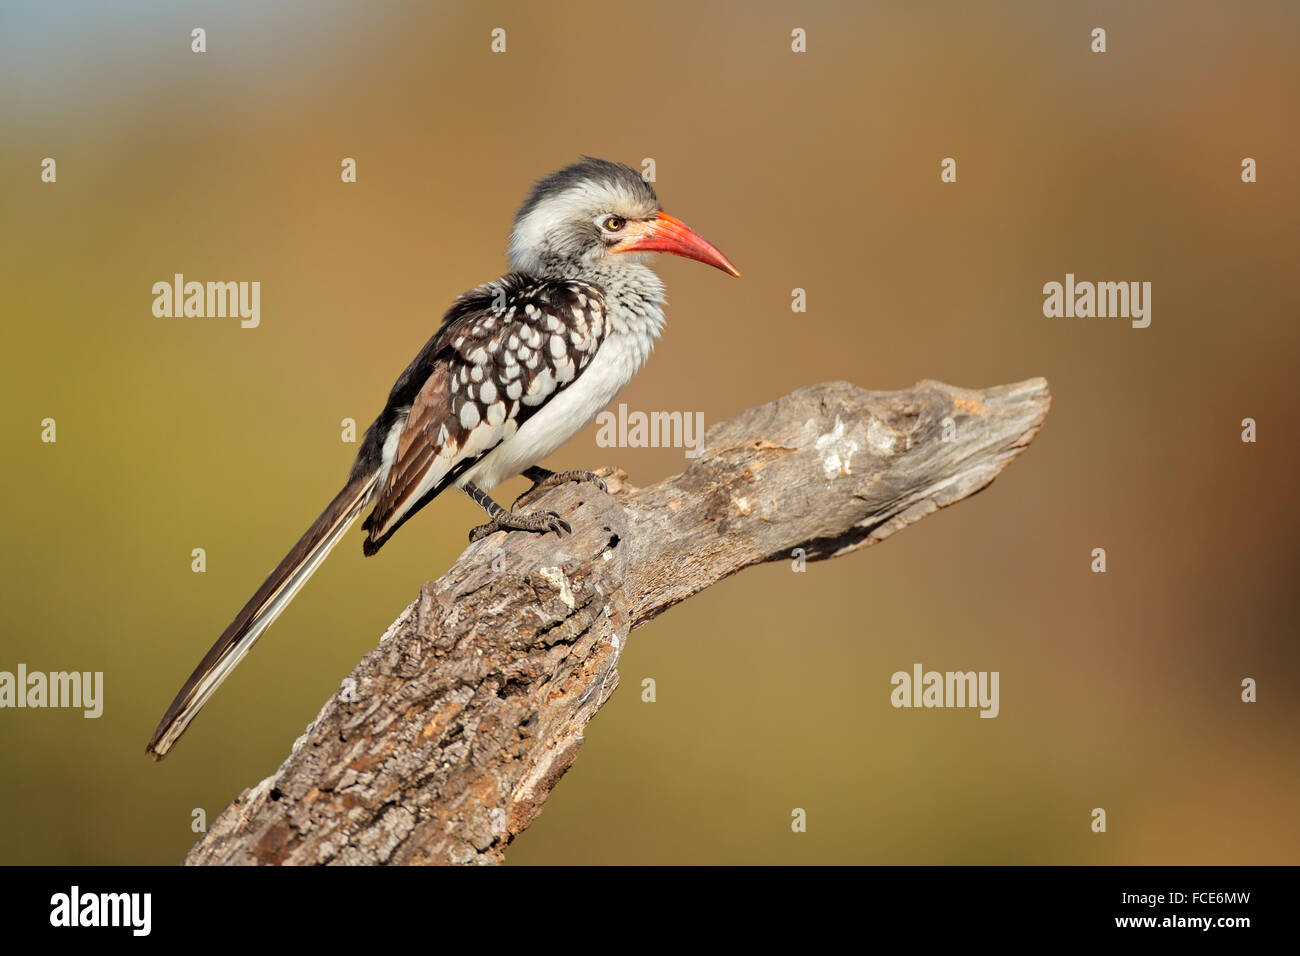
538 523
555 479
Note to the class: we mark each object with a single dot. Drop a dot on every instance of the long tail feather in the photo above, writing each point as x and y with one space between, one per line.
265 606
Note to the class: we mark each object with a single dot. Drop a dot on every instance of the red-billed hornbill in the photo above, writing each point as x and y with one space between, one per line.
517 367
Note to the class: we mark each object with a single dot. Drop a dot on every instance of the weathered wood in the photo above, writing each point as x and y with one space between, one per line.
473 705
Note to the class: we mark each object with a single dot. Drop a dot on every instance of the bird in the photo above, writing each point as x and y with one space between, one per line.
517 367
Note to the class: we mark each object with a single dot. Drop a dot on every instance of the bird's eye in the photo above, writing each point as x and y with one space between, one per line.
613 223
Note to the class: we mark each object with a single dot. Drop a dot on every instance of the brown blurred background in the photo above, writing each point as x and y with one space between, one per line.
816 170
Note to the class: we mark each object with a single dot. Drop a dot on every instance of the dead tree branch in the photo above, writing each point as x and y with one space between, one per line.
473 705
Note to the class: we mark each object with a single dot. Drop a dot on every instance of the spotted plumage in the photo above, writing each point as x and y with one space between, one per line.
502 352
516 368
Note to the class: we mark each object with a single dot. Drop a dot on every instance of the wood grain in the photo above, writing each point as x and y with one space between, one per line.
473 704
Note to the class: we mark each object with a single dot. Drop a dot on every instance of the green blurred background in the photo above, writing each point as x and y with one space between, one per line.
818 171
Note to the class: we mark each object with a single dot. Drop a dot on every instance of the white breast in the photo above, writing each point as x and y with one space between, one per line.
562 417
634 298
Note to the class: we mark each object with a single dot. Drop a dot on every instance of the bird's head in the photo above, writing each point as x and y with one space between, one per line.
594 215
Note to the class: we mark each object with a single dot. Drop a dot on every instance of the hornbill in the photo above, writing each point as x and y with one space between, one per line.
517 367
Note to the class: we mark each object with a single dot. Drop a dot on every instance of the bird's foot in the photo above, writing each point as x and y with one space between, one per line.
541 522
543 479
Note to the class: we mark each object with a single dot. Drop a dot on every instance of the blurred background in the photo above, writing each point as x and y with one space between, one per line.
818 171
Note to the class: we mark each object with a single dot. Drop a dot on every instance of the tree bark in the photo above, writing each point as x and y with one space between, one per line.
448 737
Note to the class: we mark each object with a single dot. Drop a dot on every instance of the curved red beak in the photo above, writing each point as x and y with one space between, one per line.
665 233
